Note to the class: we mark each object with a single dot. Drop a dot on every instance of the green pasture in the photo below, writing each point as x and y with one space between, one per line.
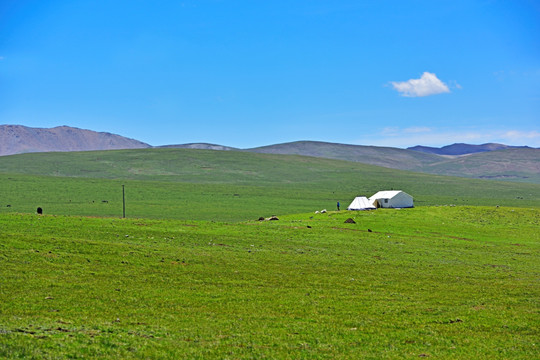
442 282
221 185
191 274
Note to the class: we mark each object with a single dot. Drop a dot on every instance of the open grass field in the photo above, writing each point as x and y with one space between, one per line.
191 274
439 282
222 186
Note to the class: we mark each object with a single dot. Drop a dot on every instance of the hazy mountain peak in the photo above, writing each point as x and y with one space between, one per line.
17 139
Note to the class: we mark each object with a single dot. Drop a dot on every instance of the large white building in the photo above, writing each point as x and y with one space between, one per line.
392 199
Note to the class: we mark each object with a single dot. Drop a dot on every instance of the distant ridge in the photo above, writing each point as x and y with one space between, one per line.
517 164
199 146
495 161
463 149
18 139
488 161
394 158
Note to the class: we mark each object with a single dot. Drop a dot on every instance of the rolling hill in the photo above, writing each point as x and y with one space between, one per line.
487 161
512 164
393 158
516 164
222 185
17 139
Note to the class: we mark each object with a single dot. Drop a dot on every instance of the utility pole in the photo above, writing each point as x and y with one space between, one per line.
123 202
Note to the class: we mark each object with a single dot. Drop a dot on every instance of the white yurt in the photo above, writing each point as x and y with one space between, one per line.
361 203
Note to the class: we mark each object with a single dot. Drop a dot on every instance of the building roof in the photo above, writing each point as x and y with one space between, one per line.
388 194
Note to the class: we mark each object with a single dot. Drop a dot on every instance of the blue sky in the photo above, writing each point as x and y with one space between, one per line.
253 73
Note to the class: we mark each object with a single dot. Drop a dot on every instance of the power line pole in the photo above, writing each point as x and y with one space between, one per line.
123 202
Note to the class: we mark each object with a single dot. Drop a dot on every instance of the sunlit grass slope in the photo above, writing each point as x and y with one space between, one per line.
437 282
219 185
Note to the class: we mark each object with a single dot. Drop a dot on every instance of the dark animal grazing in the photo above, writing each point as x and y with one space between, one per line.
40 211
8 205
369 230
350 221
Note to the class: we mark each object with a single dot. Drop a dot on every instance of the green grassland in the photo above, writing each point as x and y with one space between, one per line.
442 282
191 274
220 185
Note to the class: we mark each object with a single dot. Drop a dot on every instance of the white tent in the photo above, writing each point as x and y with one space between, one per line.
392 199
361 203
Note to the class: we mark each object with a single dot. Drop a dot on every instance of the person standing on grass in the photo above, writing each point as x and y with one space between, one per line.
338 206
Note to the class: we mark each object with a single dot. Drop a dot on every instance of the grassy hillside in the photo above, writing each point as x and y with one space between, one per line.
216 185
192 165
437 282
393 158
521 164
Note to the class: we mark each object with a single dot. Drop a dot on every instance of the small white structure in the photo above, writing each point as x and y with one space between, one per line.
361 203
392 199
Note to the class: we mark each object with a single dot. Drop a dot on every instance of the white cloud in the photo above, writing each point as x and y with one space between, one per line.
417 130
427 85
392 131
517 136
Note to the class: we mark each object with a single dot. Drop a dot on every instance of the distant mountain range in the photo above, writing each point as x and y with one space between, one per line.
493 161
18 139
463 149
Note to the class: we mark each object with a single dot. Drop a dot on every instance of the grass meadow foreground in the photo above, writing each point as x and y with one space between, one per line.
441 282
